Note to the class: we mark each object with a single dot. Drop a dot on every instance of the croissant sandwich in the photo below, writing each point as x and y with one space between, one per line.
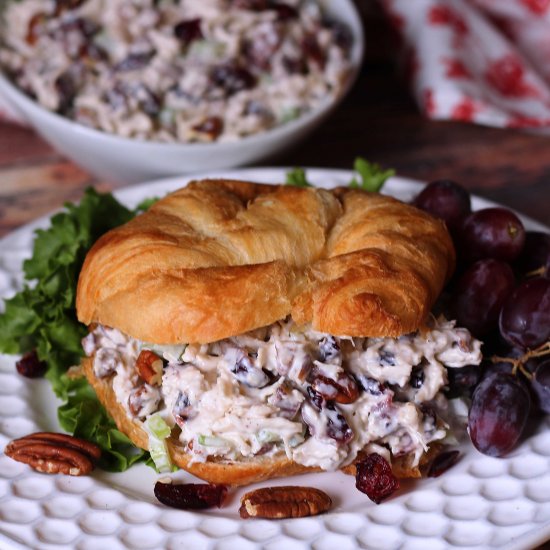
247 331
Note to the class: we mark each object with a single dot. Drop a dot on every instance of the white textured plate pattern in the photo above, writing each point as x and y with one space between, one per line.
480 503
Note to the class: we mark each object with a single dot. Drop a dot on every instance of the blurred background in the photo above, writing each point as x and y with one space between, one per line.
379 120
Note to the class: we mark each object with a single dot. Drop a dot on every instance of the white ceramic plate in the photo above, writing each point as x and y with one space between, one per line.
481 502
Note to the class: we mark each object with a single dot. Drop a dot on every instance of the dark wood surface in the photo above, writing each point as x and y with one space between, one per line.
379 120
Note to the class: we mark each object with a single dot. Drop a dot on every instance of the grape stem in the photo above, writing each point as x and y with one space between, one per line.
519 362
537 272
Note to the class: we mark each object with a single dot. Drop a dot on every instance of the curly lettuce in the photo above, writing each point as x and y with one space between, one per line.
42 317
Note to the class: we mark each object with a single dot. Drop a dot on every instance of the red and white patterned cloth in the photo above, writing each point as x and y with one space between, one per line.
484 61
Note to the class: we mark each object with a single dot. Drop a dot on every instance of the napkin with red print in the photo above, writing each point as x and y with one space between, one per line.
484 61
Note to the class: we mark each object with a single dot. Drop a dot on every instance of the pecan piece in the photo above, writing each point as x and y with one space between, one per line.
210 127
284 502
149 367
342 390
36 22
86 447
54 453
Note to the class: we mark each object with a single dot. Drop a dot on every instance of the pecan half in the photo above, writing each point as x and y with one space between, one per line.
342 390
149 367
54 453
284 502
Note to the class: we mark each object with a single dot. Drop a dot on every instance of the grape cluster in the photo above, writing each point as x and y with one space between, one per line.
501 293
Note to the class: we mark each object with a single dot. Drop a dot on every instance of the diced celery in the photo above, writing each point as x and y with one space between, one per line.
265 436
160 456
289 114
207 49
296 440
158 431
212 441
158 427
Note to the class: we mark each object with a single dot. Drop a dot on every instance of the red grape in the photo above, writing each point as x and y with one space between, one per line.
492 233
535 253
525 316
499 411
447 200
480 293
541 385
463 380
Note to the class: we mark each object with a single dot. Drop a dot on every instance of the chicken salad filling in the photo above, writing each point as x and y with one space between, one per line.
318 398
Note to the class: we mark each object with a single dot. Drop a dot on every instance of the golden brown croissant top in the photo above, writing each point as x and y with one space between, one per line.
219 257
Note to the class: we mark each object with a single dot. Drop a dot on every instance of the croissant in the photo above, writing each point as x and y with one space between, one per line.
219 258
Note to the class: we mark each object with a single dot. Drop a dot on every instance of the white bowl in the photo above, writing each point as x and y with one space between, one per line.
129 160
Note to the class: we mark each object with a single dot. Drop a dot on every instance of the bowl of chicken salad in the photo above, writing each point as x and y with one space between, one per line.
133 89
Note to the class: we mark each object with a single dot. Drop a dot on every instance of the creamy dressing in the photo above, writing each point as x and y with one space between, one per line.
318 398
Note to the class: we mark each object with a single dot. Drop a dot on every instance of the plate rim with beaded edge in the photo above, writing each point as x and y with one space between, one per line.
482 502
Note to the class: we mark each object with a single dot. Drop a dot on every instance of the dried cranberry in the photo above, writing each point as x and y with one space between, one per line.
232 78
341 33
30 366
329 350
442 462
428 414
284 11
257 108
190 496
66 87
260 50
212 126
86 27
93 51
386 358
134 62
254 5
313 51
150 103
316 398
116 97
294 65
337 426
244 369
375 478
370 385
183 409
188 31
417 377
63 5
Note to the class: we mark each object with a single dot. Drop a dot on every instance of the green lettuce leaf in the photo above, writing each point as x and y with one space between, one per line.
42 316
297 177
372 176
